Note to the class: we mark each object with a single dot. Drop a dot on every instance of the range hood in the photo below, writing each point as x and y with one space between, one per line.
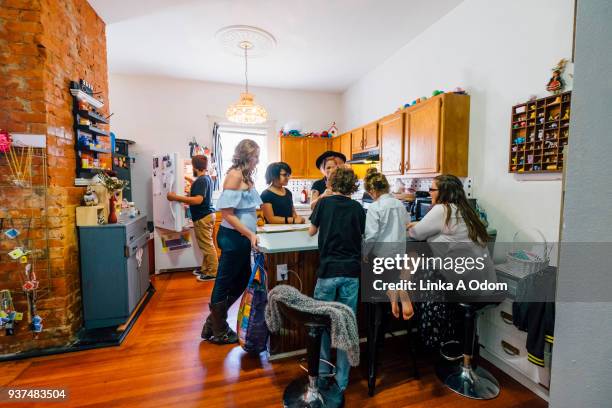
371 156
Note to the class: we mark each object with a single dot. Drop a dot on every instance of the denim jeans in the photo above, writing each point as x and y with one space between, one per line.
234 266
346 291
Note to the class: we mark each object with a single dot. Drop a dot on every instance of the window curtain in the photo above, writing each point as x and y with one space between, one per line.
217 160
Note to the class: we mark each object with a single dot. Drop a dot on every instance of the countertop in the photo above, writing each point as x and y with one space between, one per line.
292 241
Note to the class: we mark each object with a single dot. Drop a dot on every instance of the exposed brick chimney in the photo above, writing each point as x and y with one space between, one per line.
44 44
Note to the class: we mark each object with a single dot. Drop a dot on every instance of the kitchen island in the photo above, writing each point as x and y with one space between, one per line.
300 253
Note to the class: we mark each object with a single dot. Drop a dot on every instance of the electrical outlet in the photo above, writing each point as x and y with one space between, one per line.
281 272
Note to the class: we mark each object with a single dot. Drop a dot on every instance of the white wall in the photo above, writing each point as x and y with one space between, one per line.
501 52
164 114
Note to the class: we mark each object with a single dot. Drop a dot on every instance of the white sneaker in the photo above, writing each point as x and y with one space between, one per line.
197 272
204 278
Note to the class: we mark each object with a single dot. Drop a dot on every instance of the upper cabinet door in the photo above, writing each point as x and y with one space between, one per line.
314 148
336 144
357 140
345 145
370 136
391 130
294 154
423 139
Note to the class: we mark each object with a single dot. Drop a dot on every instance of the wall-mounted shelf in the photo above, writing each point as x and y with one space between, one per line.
92 144
82 96
538 147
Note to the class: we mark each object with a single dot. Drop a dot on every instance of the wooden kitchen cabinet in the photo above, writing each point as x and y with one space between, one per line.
357 140
370 136
391 131
294 154
336 143
314 148
300 153
345 145
435 138
423 137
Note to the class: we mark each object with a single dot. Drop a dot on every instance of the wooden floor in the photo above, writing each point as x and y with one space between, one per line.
163 363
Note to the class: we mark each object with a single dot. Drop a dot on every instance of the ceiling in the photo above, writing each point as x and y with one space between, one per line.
323 45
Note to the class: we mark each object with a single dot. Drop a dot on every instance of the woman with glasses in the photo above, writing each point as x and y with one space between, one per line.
277 200
454 231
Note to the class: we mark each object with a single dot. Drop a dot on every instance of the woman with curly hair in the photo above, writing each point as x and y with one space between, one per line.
236 237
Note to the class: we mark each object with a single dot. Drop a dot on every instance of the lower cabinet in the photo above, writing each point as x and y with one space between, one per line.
498 336
114 264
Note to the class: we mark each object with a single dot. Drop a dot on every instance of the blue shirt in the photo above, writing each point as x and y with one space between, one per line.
244 203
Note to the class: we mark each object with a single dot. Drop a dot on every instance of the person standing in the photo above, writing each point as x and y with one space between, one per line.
340 222
236 237
202 215
326 166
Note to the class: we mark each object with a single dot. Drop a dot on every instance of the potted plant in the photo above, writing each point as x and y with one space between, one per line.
113 186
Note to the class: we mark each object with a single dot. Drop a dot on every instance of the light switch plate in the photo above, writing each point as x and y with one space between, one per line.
281 272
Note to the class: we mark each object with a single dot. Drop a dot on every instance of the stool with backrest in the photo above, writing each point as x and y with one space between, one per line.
310 392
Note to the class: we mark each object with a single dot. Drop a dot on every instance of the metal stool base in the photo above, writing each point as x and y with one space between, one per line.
298 395
473 383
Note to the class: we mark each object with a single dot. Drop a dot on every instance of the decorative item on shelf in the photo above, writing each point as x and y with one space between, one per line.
556 83
460 91
437 92
333 130
112 216
532 115
114 186
566 115
90 198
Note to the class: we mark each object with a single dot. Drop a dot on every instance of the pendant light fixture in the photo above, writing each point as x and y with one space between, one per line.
246 111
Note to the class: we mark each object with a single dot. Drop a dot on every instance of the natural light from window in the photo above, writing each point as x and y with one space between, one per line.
230 137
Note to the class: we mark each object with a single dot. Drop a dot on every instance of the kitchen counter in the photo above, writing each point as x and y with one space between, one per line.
292 241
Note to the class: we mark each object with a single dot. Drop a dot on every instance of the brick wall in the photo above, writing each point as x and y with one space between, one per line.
44 44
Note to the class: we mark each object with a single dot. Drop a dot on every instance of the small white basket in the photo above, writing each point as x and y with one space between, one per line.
523 267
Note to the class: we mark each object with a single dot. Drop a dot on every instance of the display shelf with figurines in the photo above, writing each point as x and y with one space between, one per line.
539 130
93 145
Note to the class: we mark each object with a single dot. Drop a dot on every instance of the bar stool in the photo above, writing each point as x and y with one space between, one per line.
466 379
377 314
309 392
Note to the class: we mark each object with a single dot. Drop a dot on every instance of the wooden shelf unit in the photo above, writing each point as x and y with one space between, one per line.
538 132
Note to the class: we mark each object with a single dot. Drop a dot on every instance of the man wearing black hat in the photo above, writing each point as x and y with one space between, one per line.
320 186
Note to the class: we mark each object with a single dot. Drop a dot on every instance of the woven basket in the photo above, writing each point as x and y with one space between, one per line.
524 267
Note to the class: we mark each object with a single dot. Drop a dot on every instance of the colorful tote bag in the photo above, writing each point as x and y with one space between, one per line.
252 328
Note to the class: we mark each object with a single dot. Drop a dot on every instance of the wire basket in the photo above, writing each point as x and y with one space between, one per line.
523 263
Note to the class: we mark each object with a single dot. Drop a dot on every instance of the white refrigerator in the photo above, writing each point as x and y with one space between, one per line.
175 242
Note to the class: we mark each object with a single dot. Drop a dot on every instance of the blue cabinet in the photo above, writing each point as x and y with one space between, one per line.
114 270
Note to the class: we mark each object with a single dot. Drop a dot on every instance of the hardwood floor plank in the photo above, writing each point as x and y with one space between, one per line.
163 363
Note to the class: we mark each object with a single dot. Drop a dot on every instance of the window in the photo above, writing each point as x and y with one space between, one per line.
230 137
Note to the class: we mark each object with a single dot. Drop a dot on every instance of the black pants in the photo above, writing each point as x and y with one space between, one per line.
234 266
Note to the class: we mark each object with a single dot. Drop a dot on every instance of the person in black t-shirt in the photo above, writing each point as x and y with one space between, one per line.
277 200
326 166
340 222
202 215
